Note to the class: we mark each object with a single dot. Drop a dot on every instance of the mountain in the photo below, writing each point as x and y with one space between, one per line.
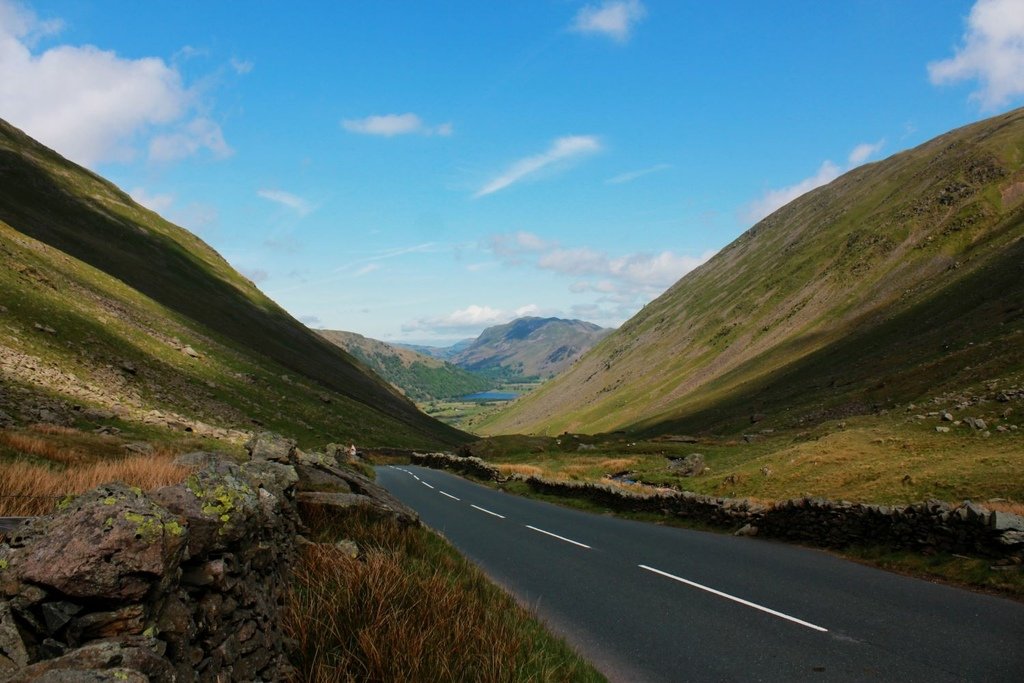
897 281
440 352
123 309
419 376
529 347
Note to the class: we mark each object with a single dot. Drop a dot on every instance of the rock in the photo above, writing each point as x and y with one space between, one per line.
270 446
134 658
272 476
44 328
766 471
746 530
126 621
1006 521
57 614
313 478
111 543
190 352
348 548
11 644
690 466
138 448
324 398
942 430
218 505
128 367
342 502
756 417
947 417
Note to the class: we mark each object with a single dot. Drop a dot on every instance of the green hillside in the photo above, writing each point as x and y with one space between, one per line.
899 281
420 377
115 307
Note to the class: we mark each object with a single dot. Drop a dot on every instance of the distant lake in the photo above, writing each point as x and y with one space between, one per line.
491 396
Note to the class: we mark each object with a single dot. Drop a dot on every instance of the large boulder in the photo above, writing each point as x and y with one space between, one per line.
270 446
126 660
112 542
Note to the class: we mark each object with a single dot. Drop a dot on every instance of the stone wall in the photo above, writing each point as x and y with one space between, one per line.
465 465
185 583
928 526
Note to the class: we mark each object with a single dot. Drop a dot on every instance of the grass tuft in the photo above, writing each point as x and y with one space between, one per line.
410 608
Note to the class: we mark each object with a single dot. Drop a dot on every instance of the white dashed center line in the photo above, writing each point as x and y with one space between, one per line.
560 538
734 599
487 511
447 494
426 484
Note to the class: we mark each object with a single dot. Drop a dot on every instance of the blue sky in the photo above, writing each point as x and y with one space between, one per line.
420 170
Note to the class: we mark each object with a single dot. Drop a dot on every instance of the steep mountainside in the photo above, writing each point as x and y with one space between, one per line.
899 280
530 347
439 352
420 377
121 287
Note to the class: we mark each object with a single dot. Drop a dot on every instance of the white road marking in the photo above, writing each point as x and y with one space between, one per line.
734 599
426 484
486 510
560 538
415 477
447 494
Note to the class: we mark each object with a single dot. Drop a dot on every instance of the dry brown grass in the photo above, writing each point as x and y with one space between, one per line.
1004 506
28 489
411 609
525 470
617 464
41 447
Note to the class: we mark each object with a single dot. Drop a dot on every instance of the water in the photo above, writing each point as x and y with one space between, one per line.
491 396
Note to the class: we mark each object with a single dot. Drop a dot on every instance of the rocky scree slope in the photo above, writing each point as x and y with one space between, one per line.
106 305
901 279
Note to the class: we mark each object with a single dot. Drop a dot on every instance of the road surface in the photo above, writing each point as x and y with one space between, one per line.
645 602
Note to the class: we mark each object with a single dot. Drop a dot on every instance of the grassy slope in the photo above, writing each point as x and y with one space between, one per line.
420 377
899 279
120 282
531 347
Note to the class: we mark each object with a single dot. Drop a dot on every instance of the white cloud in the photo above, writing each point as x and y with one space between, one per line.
388 125
90 104
287 199
775 199
863 152
199 133
627 280
633 175
614 19
992 53
470 320
310 320
561 151
154 202
241 66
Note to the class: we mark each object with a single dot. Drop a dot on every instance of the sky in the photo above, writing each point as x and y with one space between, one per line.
417 171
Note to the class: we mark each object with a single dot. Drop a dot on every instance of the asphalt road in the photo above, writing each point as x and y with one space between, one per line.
645 602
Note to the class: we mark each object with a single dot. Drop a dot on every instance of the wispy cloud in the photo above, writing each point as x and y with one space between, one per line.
992 52
613 19
633 175
198 134
92 105
389 125
288 200
366 270
154 202
241 66
562 151
775 199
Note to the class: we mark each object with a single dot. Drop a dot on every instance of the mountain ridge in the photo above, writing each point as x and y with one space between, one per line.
878 243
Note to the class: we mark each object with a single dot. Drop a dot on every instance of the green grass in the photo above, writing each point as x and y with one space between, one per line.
411 608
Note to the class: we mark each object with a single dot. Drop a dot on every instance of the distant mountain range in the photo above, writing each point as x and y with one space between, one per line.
897 281
105 306
525 348
421 377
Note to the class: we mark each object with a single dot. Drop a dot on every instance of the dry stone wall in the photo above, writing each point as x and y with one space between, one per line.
927 526
185 583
